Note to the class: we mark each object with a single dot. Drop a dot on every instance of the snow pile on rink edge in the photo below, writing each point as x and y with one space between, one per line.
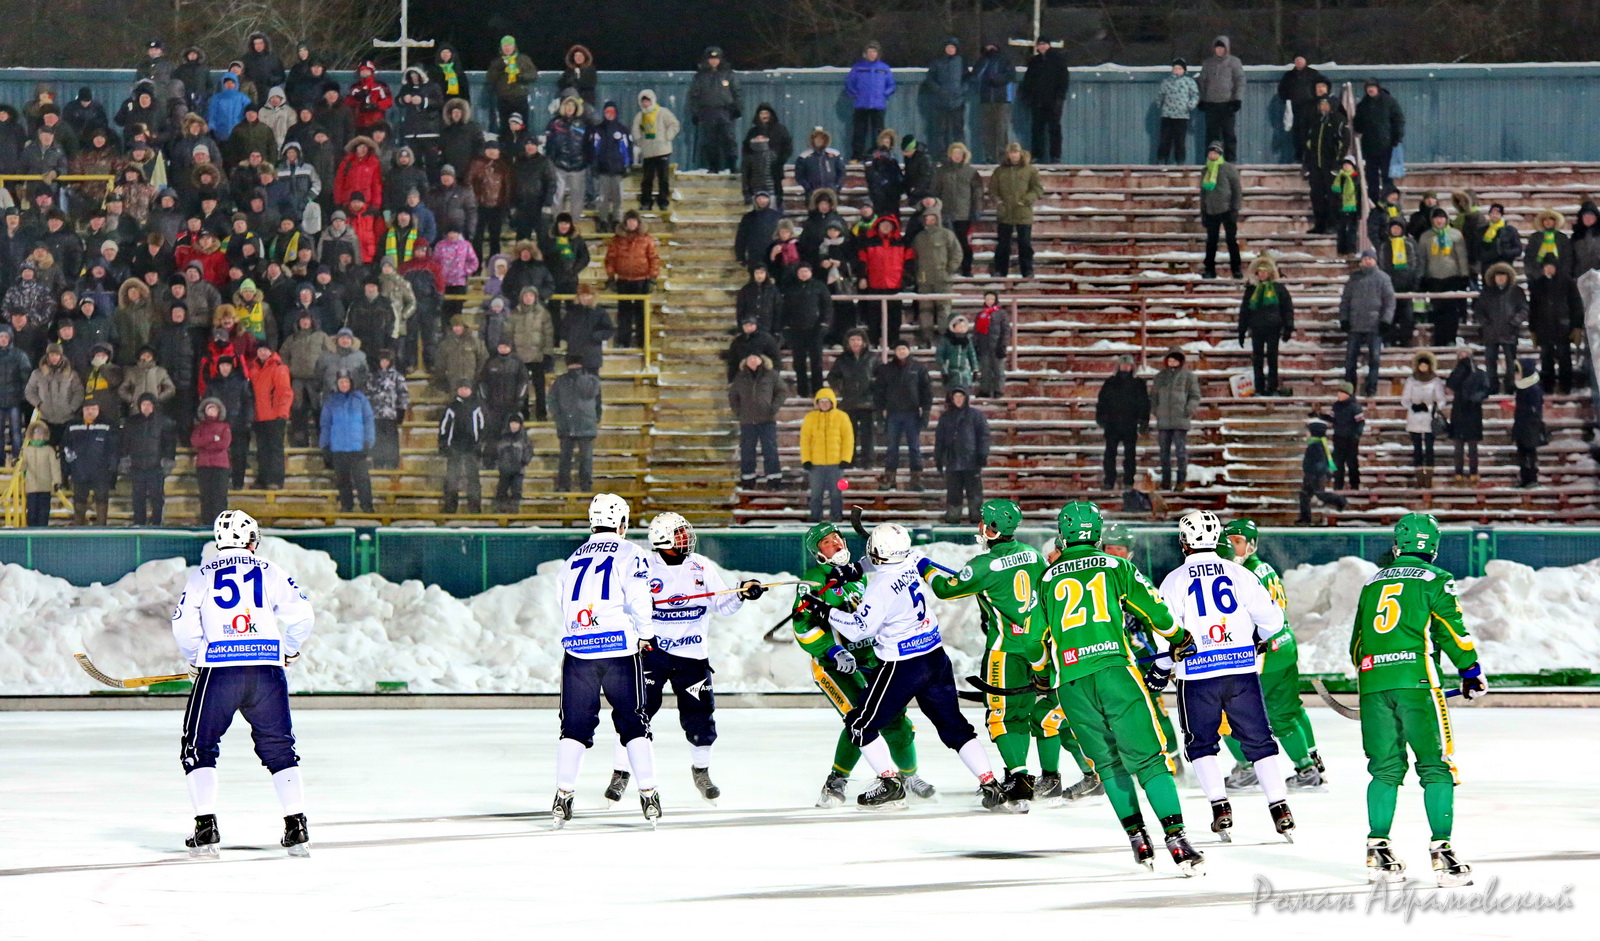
370 629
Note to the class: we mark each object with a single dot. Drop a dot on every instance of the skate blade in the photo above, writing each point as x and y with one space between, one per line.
1191 869
1148 864
1223 835
884 808
1448 881
208 851
300 850
828 803
1015 807
1385 875
556 823
710 801
1288 836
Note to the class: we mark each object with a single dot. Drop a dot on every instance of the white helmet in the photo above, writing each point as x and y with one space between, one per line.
608 511
234 529
1199 529
888 544
670 532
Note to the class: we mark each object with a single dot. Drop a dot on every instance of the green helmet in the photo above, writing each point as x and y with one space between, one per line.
813 540
1079 522
1243 526
1417 534
1116 534
1003 516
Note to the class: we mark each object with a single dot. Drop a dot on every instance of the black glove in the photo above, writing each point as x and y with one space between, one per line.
327 458
1419 407
1156 678
1184 649
848 573
1263 646
1473 685
844 465
805 465
1040 681
1235 105
751 589
808 600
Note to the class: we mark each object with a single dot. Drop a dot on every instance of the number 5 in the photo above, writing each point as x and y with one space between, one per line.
1388 609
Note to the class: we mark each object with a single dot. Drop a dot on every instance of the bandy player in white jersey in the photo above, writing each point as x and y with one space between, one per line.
677 575
240 622
1231 618
606 625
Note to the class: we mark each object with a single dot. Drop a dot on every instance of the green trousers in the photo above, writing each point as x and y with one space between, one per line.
1120 731
845 690
1393 721
1015 721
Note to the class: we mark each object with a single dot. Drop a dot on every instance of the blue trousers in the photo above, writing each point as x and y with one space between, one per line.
691 683
907 427
1201 704
260 694
622 680
930 681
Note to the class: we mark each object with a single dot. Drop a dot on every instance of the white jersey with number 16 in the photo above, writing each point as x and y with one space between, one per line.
605 598
1224 608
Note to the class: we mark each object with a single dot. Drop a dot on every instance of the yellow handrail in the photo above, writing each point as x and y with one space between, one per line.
12 499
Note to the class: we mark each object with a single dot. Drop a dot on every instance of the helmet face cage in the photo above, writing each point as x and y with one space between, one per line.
684 539
670 532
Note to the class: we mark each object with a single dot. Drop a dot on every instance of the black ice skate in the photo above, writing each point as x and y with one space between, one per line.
993 795
1282 819
296 836
617 787
1088 786
1143 853
1321 767
1242 777
1382 864
1306 778
919 788
1186 857
1048 787
561 810
1448 870
833 790
702 781
1222 820
1019 790
888 794
650 804
203 845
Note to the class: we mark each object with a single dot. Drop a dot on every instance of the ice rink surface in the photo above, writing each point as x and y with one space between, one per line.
435 824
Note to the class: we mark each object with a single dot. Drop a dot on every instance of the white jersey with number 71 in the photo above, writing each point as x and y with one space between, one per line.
605 598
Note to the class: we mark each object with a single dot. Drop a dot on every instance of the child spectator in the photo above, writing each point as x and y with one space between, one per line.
1422 397
1317 465
958 357
1347 196
461 433
391 399
575 406
827 447
992 335
40 467
1176 99
1528 430
512 452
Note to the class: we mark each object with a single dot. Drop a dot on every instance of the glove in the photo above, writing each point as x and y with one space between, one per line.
1419 407
194 670
1473 685
805 465
1235 105
647 644
844 465
167 464
1040 681
1156 678
1263 647
291 660
843 660
1184 649
848 573
751 590
124 466
809 600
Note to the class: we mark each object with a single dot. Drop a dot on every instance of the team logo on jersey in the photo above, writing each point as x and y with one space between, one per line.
1219 634
241 624
1385 659
656 586
298 590
584 617
965 574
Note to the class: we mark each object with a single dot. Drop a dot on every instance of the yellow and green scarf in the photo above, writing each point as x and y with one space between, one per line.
253 318
1397 253
510 61
1208 182
452 81
1265 294
563 246
1441 242
1349 195
1327 452
647 123
1547 246
1493 231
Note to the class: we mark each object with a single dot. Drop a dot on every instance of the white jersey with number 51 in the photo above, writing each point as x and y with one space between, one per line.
1225 609
239 610
605 598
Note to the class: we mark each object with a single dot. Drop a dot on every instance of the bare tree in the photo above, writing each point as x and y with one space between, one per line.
340 31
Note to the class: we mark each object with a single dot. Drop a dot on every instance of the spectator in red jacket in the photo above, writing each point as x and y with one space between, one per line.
211 439
368 98
208 252
274 399
368 227
359 172
884 256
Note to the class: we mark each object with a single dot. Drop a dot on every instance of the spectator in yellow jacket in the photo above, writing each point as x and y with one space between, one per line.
827 447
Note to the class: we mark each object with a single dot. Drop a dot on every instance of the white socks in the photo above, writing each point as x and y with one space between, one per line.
619 757
976 759
202 784
1209 773
569 761
291 788
642 756
877 755
1269 771
699 756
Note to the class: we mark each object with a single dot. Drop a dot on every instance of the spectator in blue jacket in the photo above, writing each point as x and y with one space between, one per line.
821 167
613 155
226 108
945 90
870 85
348 433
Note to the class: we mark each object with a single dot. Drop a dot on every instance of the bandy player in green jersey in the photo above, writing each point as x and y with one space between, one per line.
1408 614
1280 672
1117 539
1084 596
841 667
1005 580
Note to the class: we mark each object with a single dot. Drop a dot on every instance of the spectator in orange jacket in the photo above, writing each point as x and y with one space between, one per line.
359 172
274 398
632 265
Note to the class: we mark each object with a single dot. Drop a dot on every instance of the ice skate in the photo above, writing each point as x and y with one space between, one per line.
1222 820
1019 791
1242 777
1317 759
650 804
618 786
1088 786
1048 787
296 836
993 795
1382 864
833 790
702 782
1188 859
888 794
561 810
1448 871
1282 819
1306 778
203 845
920 788
1143 853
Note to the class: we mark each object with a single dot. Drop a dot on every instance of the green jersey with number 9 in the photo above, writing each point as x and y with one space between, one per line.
1084 598
1408 613
1006 581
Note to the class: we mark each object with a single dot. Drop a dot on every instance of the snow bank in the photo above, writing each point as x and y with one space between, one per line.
504 640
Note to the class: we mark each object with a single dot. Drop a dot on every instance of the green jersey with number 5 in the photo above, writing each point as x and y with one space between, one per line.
1408 613
1084 598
